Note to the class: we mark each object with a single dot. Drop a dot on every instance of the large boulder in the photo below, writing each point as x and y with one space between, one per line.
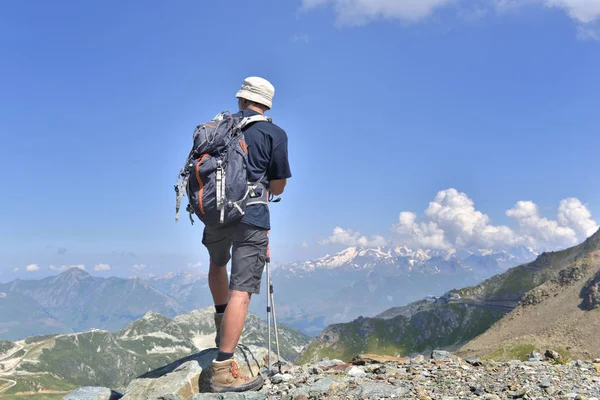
184 378
93 393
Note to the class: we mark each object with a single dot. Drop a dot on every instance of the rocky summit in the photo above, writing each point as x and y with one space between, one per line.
443 375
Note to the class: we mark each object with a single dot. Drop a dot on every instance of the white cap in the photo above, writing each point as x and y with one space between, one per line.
258 90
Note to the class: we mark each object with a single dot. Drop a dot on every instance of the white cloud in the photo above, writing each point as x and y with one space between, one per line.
102 267
16 269
32 268
65 267
573 224
419 235
304 245
195 265
588 33
584 11
452 221
347 237
139 267
571 212
360 12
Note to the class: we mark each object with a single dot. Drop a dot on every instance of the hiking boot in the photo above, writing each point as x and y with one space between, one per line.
226 377
218 320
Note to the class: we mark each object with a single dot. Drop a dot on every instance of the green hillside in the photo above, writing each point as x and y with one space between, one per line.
112 359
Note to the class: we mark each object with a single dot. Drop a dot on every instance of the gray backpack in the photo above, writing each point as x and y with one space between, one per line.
214 175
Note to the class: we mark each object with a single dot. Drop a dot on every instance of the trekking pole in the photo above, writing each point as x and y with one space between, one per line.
268 318
271 309
274 317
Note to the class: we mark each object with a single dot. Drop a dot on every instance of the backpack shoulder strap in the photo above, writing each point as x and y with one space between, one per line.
250 120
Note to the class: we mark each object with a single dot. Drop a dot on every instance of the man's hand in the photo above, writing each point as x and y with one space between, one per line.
276 186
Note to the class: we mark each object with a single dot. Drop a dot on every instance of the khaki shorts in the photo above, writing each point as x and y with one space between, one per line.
246 246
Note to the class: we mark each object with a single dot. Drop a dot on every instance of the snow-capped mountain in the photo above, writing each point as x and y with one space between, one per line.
359 281
406 260
350 258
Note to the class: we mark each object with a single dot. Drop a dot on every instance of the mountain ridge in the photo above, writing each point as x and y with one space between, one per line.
75 300
113 358
562 312
448 321
80 301
371 256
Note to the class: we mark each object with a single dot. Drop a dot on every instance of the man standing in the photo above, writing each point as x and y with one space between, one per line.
248 240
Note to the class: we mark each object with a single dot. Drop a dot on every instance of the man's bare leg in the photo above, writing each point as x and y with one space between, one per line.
218 282
225 373
233 320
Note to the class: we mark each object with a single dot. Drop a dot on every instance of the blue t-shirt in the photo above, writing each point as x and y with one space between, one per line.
267 156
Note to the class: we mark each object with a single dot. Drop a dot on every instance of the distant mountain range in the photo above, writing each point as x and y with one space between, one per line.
308 295
405 260
363 281
551 301
75 301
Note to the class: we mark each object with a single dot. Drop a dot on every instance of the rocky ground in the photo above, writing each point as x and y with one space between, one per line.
443 376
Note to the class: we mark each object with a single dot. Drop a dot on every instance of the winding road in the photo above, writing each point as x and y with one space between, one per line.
13 383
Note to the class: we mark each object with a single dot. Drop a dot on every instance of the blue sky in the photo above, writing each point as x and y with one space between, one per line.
483 113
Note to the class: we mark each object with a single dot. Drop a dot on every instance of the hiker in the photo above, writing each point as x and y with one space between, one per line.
248 241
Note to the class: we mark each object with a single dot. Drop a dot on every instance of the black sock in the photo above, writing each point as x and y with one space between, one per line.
220 308
221 356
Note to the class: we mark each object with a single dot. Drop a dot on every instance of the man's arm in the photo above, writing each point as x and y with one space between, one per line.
279 167
276 187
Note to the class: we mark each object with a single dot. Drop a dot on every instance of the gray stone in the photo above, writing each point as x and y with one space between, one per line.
374 390
440 355
518 394
93 393
230 396
476 362
186 377
329 363
321 386
279 378
535 356
420 359
181 383
299 394
546 383
171 396
356 372
477 390
533 363
338 386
